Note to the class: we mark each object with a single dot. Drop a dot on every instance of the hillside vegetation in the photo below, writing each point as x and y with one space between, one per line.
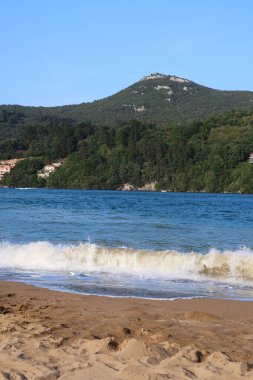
209 155
156 98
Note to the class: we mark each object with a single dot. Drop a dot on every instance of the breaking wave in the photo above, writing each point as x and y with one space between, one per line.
83 258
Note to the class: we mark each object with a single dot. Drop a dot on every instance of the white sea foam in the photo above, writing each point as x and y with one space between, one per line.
231 266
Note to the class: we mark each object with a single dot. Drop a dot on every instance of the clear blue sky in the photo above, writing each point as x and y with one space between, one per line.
56 52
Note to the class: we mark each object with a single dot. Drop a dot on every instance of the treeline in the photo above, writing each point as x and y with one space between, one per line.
210 155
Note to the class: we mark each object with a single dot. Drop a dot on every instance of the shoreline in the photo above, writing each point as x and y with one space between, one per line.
137 190
48 334
172 299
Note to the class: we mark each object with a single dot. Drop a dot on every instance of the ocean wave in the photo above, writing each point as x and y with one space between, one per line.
84 258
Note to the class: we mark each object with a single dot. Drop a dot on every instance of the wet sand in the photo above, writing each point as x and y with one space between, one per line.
47 335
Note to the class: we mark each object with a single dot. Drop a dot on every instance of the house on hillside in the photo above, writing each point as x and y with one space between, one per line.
48 169
4 169
6 166
251 158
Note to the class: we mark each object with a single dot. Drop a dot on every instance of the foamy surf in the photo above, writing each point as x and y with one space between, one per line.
230 266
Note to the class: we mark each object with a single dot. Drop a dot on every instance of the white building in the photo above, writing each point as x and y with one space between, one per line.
48 169
6 166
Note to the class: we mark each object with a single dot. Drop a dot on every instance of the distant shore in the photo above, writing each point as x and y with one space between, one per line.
144 189
48 334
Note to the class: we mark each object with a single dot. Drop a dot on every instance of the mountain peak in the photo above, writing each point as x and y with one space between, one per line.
154 76
173 78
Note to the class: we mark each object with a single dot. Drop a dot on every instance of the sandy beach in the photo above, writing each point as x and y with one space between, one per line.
48 335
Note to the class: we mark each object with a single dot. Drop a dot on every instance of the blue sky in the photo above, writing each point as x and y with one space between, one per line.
56 52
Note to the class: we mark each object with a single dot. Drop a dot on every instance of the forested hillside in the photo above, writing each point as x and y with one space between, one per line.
209 155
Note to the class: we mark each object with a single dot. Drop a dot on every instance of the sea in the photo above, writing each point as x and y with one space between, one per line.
154 245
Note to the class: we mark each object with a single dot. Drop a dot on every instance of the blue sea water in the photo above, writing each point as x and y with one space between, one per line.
137 244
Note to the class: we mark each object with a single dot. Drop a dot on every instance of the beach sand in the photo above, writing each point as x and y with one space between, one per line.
47 335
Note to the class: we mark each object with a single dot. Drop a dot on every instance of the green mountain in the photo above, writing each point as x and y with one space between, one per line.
157 97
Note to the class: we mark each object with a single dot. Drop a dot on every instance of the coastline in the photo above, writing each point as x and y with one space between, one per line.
56 335
144 189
